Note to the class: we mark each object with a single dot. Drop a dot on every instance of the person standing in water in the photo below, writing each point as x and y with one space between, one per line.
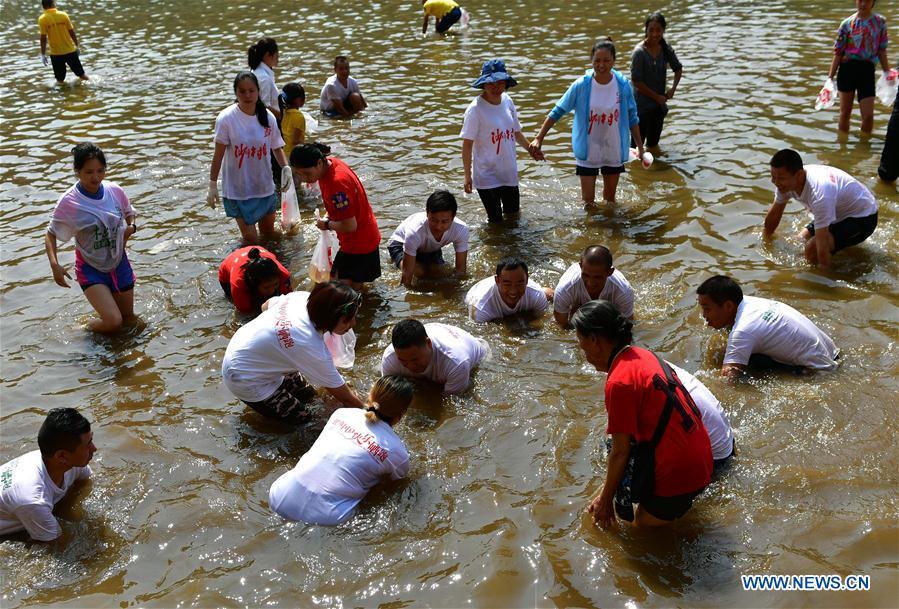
649 75
445 14
58 31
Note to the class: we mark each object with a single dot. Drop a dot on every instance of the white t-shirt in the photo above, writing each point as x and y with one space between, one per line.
268 90
282 340
28 494
780 332
831 195
455 354
713 418
335 91
571 292
416 236
485 304
246 169
603 135
349 457
98 225
492 129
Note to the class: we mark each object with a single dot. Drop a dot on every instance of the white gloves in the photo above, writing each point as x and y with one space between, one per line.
45 60
212 195
286 177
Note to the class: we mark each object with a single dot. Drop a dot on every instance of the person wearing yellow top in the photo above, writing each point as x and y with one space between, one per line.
444 12
56 28
293 123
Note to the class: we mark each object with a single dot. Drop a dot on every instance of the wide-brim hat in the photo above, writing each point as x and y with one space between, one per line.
494 71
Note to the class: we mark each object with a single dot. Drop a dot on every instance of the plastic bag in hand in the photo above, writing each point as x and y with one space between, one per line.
323 257
886 87
826 96
342 348
290 208
646 160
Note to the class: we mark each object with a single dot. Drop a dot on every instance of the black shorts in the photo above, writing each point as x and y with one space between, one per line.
850 231
395 249
606 170
447 21
59 63
856 75
669 508
361 268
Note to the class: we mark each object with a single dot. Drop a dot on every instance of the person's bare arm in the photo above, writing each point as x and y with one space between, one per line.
461 264
467 147
59 272
345 396
644 90
601 507
348 225
822 246
74 37
536 146
424 25
561 319
677 76
43 44
773 217
733 370
408 270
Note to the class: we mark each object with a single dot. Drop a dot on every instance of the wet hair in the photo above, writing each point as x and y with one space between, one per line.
340 59
441 200
330 303
389 399
48 3
261 110
290 93
84 152
597 254
603 44
408 333
308 155
258 269
257 51
61 430
601 318
720 289
510 263
787 159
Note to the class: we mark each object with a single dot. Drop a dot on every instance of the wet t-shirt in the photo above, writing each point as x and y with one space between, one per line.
603 128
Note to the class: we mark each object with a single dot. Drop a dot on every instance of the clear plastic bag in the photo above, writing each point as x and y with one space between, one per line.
311 123
826 96
342 348
886 87
323 256
290 207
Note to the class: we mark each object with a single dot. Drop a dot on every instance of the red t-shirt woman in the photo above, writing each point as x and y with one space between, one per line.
251 275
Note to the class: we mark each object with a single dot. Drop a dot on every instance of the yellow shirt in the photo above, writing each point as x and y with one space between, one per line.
439 8
291 120
55 25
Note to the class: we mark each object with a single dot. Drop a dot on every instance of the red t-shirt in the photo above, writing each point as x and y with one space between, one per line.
344 197
230 272
634 405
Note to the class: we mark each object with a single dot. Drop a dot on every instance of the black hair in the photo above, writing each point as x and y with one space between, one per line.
307 155
787 159
510 263
659 18
389 399
257 51
597 254
289 94
441 200
340 59
61 430
261 110
601 318
330 303
408 333
84 152
720 289
258 269
48 3
603 43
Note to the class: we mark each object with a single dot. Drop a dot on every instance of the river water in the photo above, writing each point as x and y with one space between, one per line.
492 514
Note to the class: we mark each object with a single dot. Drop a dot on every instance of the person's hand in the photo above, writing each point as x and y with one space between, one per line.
670 93
603 512
45 60
322 223
60 274
467 186
661 99
286 177
535 149
212 195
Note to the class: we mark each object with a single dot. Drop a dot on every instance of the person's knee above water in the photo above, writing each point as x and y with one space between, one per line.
272 361
509 292
650 414
415 247
591 278
32 484
443 354
341 95
762 327
445 13
355 450
844 211
251 275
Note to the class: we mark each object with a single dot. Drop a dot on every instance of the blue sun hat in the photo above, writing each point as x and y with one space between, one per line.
494 70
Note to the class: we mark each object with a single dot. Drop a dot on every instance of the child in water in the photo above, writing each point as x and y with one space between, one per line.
293 123
356 449
251 275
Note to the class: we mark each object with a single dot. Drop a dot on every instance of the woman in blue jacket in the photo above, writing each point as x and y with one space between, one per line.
605 120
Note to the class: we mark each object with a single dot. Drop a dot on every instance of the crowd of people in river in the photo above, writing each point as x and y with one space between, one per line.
667 433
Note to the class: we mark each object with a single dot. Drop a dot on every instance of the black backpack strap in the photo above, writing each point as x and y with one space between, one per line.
669 386
662 425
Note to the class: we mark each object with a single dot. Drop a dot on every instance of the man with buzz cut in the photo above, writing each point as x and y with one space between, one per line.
591 278
32 484
509 292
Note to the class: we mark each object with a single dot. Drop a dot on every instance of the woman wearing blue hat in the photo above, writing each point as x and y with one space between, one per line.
490 131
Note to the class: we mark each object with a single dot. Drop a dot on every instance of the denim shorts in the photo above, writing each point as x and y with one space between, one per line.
120 279
251 210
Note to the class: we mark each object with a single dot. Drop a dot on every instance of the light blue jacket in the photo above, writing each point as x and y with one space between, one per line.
577 98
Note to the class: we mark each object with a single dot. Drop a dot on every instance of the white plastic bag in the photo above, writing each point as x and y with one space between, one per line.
311 123
886 86
464 19
342 348
290 208
323 256
646 160
826 96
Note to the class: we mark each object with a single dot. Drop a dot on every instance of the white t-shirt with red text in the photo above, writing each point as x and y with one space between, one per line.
603 135
246 168
492 129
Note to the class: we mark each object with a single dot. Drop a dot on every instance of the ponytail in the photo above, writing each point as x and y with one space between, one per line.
289 94
373 414
389 399
308 155
257 51
261 113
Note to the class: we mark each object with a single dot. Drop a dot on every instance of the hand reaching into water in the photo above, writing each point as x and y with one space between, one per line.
603 512
60 274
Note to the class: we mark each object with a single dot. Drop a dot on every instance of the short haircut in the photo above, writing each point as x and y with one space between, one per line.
441 200
61 430
721 289
787 159
597 254
341 59
330 303
408 333
48 3
84 152
602 318
510 263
